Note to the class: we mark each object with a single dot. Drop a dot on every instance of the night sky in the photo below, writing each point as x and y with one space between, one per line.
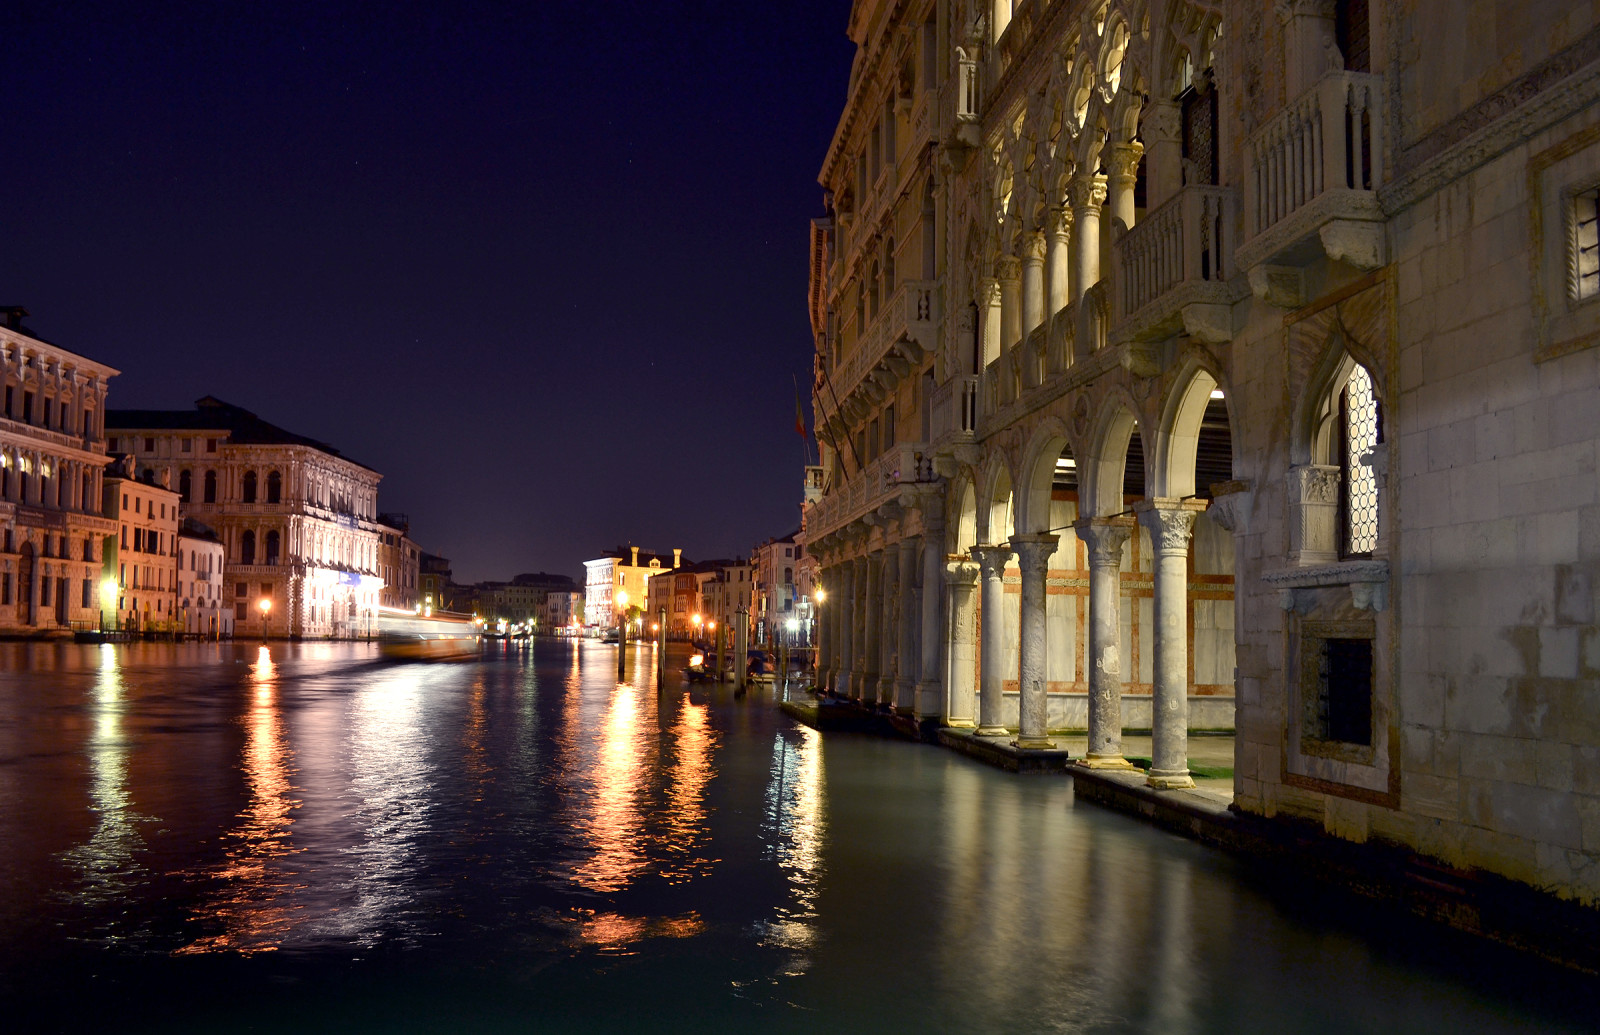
543 265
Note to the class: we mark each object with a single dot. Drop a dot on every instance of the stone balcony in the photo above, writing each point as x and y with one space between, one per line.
1311 178
880 481
1173 269
891 350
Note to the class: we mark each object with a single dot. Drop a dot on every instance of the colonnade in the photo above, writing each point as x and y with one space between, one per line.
910 637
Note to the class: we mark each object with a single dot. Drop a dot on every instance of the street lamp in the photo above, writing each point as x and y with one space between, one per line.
265 603
108 601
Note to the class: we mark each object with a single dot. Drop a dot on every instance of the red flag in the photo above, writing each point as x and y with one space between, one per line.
799 415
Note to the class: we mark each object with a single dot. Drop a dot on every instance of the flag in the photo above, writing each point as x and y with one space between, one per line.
799 414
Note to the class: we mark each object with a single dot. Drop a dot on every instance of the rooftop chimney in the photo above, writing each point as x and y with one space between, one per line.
635 562
677 556
13 316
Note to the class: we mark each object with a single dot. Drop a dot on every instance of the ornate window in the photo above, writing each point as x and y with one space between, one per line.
247 547
272 547
1347 441
249 495
1583 261
185 484
274 487
211 487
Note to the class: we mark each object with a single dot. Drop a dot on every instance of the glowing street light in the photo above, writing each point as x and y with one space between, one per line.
265 603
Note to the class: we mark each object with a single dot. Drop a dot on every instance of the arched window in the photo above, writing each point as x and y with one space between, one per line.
211 487
788 575
272 546
888 269
274 487
185 484
247 547
249 495
873 287
1348 435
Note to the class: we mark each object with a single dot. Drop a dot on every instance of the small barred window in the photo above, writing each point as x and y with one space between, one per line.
1585 260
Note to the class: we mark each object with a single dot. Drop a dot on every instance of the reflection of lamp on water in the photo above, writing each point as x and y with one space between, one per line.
265 603
622 628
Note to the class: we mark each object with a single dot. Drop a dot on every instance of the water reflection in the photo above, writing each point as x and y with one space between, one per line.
105 862
610 823
255 904
794 827
685 830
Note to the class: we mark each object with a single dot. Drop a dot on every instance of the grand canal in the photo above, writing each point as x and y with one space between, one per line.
304 838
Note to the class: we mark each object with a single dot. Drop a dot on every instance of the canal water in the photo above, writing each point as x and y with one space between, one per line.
303 838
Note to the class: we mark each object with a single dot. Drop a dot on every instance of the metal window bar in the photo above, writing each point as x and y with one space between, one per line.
1586 244
1359 417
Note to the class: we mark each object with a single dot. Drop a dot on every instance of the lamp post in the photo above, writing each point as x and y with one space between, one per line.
696 621
265 603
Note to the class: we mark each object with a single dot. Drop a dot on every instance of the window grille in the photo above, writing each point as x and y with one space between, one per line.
1585 259
1360 482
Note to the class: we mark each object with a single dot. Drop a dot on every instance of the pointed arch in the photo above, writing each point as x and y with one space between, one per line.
1050 442
1177 443
1103 474
996 510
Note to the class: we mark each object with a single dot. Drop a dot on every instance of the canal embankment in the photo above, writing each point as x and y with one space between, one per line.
1279 849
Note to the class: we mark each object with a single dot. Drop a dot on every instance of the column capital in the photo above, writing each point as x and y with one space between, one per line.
1059 221
1087 193
1105 538
1007 268
1170 522
1033 248
1124 161
961 572
1033 550
992 558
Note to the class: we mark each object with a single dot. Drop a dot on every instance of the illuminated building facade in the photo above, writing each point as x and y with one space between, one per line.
1188 365
624 570
775 565
52 460
298 521
143 555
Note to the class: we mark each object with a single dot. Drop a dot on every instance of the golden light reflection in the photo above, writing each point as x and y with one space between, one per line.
255 903
685 831
796 823
106 861
616 934
611 824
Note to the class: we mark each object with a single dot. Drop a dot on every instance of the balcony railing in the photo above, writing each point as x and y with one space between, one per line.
878 482
1329 139
1185 241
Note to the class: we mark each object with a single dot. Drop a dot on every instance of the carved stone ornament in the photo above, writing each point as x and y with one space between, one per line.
992 559
1124 163
1033 248
1007 268
1105 541
1317 484
1087 193
1170 527
1163 122
1080 415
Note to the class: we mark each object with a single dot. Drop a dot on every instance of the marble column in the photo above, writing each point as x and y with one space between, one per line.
1010 277
930 596
1086 194
1122 173
889 627
1033 250
905 684
1059 277
992 562
1170 524
871 626
962 578
1033 558
1105 538
846 605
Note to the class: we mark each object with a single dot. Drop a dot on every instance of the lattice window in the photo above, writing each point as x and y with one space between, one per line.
1584 261
1359 415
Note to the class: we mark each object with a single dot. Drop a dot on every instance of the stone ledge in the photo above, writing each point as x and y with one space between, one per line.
1000 752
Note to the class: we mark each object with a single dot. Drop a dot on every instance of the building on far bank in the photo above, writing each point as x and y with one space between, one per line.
201 561
399 562
434 582
625 570
776 595
728 594
298 520
562 610
142 555
52 456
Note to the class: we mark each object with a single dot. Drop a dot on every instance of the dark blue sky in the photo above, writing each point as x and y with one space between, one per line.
541 264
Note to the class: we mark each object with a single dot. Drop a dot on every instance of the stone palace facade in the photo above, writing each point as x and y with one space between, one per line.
1204 364
298 522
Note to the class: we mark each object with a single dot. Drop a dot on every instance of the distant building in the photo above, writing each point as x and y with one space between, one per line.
142 555
776 591
680 594
433 578
728 593
623 570
52 456
200 557
297 519
561 610
399 562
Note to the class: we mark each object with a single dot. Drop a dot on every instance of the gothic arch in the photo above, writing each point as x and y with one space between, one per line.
996 503
1101 473
1033 492
1171 464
